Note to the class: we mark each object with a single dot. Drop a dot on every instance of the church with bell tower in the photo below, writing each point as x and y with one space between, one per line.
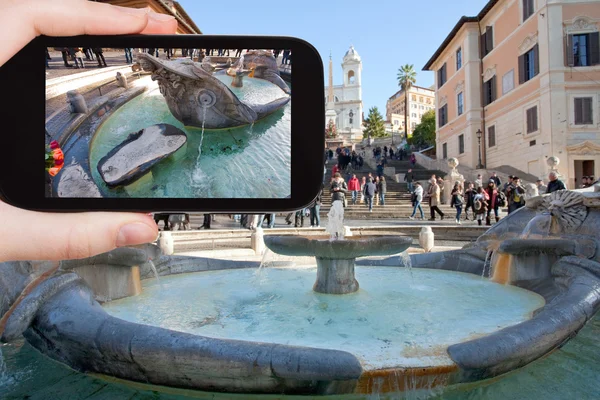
344 102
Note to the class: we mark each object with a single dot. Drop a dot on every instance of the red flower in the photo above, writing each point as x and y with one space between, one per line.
54 145
54 171
58 163
57 154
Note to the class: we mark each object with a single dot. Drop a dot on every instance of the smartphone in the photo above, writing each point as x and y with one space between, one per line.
169 123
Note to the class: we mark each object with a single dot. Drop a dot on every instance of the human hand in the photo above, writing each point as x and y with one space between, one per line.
22 20
28 235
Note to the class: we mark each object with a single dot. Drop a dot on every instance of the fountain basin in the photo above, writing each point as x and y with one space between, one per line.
335 258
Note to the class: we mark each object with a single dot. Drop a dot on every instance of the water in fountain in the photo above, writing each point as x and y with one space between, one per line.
267 260
335 221
240 66
539 227
154 271
199 178
485 263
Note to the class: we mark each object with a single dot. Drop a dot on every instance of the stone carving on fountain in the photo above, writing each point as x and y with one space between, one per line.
197 98
551 247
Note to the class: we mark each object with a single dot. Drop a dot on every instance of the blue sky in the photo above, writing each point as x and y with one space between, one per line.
386 33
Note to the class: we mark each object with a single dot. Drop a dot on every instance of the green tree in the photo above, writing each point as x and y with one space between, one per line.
374 124
424 133
407 77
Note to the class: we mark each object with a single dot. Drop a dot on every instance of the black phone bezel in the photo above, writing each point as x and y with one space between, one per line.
23 178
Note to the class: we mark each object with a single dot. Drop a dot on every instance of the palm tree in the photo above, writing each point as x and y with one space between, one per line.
407 77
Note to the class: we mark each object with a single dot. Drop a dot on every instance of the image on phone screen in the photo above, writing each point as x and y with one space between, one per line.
172 123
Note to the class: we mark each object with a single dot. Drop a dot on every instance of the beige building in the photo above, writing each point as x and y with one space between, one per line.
526 73
420 100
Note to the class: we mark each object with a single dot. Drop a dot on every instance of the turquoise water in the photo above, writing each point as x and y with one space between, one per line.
568 373
245 162
377 324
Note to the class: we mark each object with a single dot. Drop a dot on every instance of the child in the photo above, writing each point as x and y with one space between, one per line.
481 204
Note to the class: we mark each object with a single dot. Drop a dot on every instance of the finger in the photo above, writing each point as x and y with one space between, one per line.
21 21
29 235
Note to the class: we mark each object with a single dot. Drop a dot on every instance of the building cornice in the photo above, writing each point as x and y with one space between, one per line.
584 148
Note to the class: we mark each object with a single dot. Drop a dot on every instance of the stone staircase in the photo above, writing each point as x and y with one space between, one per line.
397 198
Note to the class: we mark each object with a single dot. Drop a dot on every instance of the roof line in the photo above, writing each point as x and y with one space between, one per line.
180 18
413 86
463 20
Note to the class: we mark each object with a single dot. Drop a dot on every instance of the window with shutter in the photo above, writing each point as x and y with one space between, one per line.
491 136
445 150
532 120
583 111
461 144
529 65
489 91
489 39
594 49
528 8
569 59
458 59
459 102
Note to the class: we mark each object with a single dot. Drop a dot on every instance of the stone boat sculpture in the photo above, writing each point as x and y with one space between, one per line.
197 98
551 247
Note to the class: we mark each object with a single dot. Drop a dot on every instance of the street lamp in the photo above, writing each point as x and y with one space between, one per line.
479 166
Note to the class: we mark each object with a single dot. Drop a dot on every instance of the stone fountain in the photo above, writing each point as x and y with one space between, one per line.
548 249
335 255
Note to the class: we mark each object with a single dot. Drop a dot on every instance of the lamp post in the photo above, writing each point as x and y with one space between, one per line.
479 166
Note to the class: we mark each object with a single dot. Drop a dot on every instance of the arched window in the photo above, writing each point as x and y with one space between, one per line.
351 77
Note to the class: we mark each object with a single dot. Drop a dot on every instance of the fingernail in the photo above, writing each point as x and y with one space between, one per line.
133 11
136 233
160 17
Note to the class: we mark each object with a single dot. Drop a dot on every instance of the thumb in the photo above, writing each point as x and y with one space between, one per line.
22 20
53 236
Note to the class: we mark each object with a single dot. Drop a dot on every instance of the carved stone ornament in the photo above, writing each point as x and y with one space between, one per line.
459 87
567 206
581 24
527 43
489 73
443 100
584 148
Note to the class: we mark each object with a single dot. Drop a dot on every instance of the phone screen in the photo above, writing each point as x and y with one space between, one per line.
168 123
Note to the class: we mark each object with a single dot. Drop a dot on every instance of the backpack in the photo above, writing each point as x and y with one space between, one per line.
501 199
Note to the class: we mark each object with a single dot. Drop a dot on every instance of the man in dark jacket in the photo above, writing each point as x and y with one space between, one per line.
315 208
554 183
496 180
409 179
369 191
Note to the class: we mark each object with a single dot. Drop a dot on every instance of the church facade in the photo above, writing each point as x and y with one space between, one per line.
344 102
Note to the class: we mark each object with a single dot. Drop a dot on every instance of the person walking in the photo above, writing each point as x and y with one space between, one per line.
286 55
128 55
409 178
206 222
79 57
354 187
470 200
458 200
481 201
554 183
413 160
496 180
417 198
434 199
492 202
380 169
315 209
338 189
516 195
99 56
363 182
369 192
382 190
